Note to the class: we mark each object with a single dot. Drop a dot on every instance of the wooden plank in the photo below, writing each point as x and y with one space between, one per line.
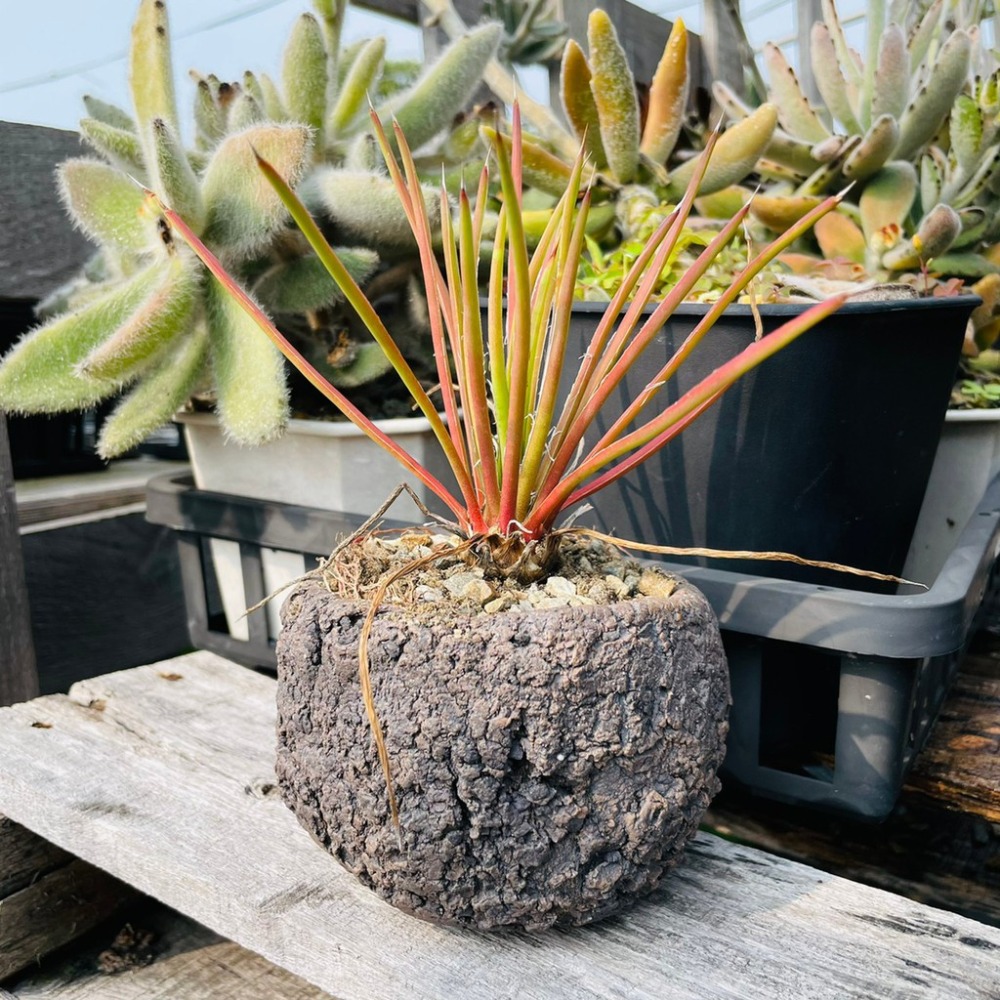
190 963
54 909
941 844
163 775
24 856
18 673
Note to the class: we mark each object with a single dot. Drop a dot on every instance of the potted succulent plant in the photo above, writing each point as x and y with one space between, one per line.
546 718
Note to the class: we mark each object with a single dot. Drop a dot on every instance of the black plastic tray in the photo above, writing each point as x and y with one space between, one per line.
835 691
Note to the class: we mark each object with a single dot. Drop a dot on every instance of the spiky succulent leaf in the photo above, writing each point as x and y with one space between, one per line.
165 315
578 101
668 94
303 284
830 80
887 198
736 153
358 84
426 108
151 77
106 205
304 73
39 374
242 208
795 112
613 87
110 114
929 107
119 145
173 179
164 389
366 207
251 394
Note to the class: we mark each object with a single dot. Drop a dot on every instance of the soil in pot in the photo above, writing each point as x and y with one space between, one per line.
553 747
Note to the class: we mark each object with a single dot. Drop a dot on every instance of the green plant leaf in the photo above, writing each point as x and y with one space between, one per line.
164 389
166 314
304 73
370 362
243 211
302 284
110 114
39 374
119 145
365 206
429 106
107 205
361 81
209 118
151 77
251 394
578 101
173 178
613 87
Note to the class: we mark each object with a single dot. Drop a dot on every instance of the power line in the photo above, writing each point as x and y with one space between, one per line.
84 67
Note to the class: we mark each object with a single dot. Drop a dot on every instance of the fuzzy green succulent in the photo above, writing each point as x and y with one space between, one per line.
142 323
908 125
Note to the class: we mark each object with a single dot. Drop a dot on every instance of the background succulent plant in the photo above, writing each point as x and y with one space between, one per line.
141 320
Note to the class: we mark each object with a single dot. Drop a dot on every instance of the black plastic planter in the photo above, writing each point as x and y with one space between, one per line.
824 451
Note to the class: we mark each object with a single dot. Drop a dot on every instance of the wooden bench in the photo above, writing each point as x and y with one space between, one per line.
162 776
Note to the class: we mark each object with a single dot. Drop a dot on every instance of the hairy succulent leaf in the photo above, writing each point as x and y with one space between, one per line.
151 77
274 106
251 394
613 87
110 114
369 363
39 374
736 153
543 170
358 84
779 212
106 205
164 389
303 284
209 117
887 198
668 96
366 206
830 80
874 150
938 230
242 208
426 108
795 112
304 73
966 131
164 315
578 101
930 106
838 236
119 145
173 178
892 74
244 112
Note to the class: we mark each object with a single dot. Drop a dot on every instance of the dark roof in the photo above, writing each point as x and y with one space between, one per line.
39 248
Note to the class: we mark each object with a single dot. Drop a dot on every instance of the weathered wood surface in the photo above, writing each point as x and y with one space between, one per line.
941 844
18 673
190 963
47 897
162 775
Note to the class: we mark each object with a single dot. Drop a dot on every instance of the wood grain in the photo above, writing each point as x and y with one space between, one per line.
191 963
162 775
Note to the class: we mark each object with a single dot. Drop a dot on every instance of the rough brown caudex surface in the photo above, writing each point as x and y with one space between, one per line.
550 765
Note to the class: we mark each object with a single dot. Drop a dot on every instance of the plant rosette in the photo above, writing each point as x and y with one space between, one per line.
473 757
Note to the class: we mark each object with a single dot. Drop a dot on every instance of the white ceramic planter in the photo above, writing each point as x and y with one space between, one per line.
322 464
967 461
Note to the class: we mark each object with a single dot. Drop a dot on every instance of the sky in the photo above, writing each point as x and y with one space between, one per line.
52 52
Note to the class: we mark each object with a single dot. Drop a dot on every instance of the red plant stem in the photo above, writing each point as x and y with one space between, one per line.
315 378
